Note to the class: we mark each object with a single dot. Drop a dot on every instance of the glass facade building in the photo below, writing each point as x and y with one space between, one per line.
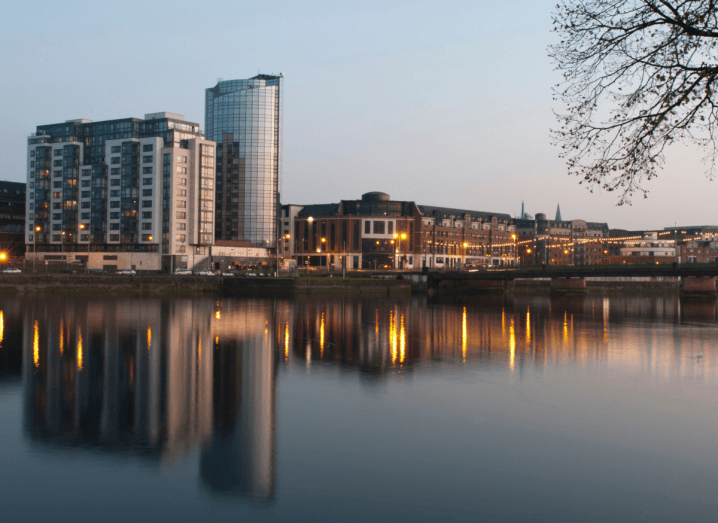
244 117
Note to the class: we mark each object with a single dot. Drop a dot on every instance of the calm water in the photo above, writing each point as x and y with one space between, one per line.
523 409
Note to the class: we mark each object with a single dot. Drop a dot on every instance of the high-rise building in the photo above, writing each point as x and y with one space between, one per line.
244 117
121 193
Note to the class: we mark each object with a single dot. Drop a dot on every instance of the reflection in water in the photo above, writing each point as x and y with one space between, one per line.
164 379
386 336
131 376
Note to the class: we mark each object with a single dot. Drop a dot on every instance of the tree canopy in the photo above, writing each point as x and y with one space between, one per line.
638 75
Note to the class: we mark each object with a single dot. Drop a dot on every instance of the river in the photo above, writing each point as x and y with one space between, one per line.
518 408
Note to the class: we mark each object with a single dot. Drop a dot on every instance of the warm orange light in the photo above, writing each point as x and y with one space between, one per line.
323 240
319 250
466 244
287 236
565 252
37 228
528 251
513 236
82 226
310 219
403 236
396 235
150 238
3 256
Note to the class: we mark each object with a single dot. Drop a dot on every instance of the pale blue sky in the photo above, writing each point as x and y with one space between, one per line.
444 103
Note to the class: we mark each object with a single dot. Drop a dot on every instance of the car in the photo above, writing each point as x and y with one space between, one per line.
183 272
126 271
11 270
206 273
227 274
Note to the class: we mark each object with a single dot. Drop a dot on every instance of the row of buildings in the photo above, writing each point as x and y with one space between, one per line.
159 194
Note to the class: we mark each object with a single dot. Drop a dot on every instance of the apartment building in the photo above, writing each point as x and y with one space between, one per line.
121 193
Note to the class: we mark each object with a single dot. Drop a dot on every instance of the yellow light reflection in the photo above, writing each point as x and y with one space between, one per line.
512 345
321 337
565 326
528 325
286 341
376 321
36 346
149 338
463 336
199 349
216 314
2 326
392 337
79 349
216 340
62 336
402 341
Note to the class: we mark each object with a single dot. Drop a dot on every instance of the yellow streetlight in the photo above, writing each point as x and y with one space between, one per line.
3 256
310 219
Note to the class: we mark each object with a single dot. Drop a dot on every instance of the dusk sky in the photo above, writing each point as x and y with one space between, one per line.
446 103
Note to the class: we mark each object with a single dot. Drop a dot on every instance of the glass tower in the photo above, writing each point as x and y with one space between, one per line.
244 117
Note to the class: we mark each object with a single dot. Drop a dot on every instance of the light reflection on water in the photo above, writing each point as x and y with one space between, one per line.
168 381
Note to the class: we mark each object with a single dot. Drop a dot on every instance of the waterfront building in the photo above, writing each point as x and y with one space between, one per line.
121 193
12 219
244 117
561 242
376 232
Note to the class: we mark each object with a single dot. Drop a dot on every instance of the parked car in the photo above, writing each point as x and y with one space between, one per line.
183 272
228 274
206 273
126 271
11 270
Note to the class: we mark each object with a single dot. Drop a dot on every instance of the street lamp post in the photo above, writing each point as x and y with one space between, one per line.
62 237
513 237
322 247
34 248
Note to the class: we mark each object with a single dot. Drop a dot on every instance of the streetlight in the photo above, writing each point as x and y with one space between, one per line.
34 247
62 237
319 251
513 237
465 246
87 265
283 238
322 247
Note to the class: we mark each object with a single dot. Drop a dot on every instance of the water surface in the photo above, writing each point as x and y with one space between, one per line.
328 409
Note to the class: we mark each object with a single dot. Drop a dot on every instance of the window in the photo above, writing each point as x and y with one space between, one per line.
85 194
181 226
57 174
58 152
390 229
115 182
115 193
181 170
378 227
32 195
115 160
181 237
114 237
147 170
57 163
147 148
32 185
115 171
57 216
32 164
115 204
114 226
181 215
57 227
146 204
57 195
181 204
115 149
114 216
181 159
146 192
31 216
85 183
182 193
147 215
85 205
147 159
147 226
367 227
146 181
32 206
182 182
32 153
85 216
146 237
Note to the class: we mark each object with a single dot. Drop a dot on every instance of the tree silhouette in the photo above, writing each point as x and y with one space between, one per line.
638 75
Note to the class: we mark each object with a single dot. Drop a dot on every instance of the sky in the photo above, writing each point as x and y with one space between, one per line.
443 103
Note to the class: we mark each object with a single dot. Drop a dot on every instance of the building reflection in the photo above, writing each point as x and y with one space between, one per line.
156 380
387 337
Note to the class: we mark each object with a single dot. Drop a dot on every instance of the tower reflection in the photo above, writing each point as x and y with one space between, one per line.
149 379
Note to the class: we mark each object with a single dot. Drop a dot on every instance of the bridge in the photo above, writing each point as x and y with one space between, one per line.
695 280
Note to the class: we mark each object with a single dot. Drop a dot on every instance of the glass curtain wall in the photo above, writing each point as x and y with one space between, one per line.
244 117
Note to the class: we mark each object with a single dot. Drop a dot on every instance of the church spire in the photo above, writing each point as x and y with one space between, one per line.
558 213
